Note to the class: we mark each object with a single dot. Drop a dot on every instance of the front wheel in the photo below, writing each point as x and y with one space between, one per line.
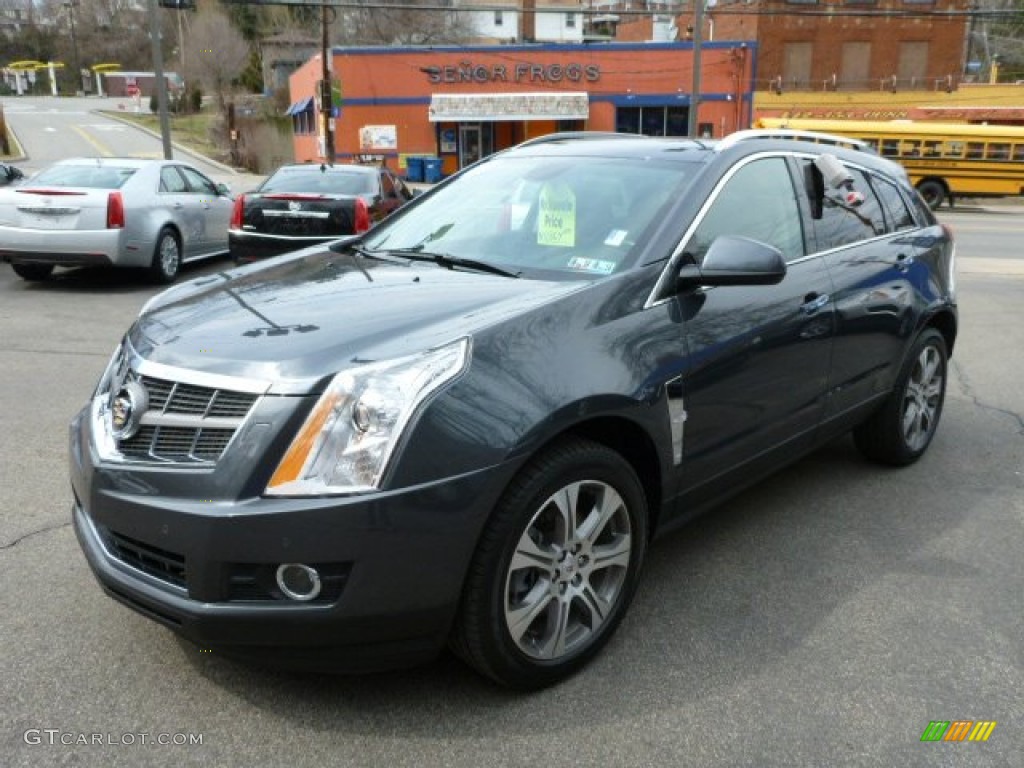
901 430
933 193
166 257
556 567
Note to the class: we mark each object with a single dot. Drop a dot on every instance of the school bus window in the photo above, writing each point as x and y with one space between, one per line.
932 148
910 149
998 151
873 143
953 149
975 150
1018 152
890 147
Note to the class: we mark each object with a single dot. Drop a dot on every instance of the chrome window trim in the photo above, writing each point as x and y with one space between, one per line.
663 279
660 285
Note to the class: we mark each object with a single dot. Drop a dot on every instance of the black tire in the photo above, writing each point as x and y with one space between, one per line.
933 192
166 257
901 430
33 272
572 588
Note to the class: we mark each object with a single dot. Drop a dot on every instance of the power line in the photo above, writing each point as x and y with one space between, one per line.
377 5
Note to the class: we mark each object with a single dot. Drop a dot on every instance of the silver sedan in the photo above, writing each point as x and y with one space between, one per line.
125 212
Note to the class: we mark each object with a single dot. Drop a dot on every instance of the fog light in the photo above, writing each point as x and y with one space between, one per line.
298 582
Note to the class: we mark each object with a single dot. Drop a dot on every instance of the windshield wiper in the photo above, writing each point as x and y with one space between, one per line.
449 261
343 247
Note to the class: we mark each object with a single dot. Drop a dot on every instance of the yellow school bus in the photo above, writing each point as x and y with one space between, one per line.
943 160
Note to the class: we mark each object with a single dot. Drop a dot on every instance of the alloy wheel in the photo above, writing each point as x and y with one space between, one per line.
568 570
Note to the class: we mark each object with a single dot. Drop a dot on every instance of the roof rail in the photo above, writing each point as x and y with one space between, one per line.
793 134
576 135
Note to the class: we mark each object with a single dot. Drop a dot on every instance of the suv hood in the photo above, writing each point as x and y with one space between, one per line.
301 320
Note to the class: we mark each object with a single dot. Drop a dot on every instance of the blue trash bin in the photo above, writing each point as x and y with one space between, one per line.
414 168
431 169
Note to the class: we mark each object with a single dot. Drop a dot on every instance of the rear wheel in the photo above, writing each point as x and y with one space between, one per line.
933 193
901 430
166 257
556 567
33 272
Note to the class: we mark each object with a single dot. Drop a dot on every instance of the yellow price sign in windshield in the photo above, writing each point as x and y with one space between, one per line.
557 216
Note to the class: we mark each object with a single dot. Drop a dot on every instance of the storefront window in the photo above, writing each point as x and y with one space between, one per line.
652 121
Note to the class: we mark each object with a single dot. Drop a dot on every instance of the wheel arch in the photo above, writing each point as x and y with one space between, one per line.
945 322
631 441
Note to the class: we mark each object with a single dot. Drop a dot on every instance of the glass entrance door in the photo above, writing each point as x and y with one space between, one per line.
469 144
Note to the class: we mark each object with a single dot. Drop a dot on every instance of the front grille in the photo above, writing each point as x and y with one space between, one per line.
186 423
159 563
183 444
174 397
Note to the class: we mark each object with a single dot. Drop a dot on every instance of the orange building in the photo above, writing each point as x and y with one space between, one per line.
463 103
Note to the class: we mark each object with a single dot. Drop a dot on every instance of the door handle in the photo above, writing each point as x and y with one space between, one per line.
179 206
813 302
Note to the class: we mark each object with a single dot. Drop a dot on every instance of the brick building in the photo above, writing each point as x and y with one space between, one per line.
830 45
463 103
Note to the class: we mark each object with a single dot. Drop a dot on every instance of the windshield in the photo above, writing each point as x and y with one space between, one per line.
87 176
573 216
314 181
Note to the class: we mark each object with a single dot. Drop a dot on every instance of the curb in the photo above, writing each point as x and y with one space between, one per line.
178 147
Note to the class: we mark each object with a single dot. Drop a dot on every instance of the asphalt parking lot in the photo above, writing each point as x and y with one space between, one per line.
823 618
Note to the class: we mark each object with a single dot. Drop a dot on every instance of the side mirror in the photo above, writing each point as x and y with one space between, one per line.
223 189
735 260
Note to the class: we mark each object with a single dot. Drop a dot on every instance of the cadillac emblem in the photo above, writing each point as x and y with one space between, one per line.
126 409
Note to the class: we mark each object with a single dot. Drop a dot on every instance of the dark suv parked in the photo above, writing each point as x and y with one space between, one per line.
464 426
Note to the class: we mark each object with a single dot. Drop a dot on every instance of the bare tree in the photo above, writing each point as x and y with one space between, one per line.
216 53
379 25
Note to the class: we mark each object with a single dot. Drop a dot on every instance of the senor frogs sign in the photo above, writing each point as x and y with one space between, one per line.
522 72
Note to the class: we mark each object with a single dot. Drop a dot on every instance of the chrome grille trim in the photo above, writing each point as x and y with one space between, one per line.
191 418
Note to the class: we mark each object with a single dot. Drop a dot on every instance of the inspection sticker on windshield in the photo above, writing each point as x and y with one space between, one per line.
598 266
616 237
557 216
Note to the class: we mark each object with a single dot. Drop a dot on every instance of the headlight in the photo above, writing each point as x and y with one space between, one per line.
346 441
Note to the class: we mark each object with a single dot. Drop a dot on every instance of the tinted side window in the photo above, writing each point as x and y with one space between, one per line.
387 186
896 209
758 202
842 223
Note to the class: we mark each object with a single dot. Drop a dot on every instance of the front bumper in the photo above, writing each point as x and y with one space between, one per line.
397 561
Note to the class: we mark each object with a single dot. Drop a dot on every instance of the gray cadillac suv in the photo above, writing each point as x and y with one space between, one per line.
464 427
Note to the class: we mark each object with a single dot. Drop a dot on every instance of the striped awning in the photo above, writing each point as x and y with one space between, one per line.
495 107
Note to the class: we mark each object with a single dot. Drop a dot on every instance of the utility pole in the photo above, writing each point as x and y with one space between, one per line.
158 78
326 107
698 32
77 78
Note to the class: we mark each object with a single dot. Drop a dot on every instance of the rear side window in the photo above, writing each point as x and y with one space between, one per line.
758 202
843 221
172 181
895 206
